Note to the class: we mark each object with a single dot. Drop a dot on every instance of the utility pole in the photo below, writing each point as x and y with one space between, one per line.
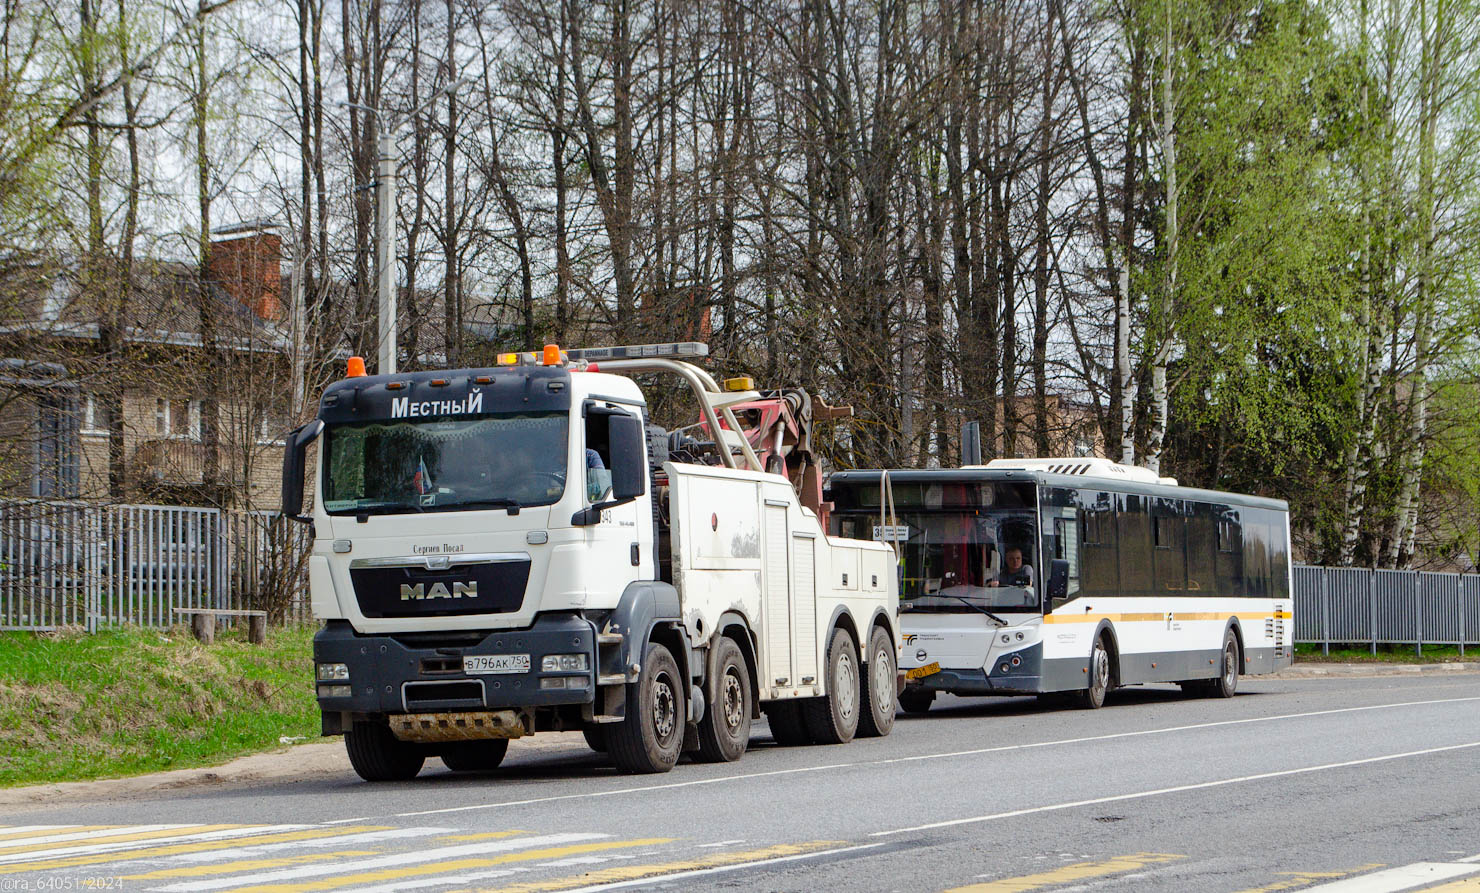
385 226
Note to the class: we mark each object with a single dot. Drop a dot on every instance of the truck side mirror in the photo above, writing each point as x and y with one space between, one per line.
625 440
629 464
295 452
1058 582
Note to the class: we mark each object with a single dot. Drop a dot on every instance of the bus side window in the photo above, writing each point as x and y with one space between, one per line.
1202 548
1229 562
1100 571
1134 534
1066 547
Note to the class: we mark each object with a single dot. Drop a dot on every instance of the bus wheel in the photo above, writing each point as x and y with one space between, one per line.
786 722
833 718
916 700
378 755
724 732
1227 682
651 735
877 718
1093 697
475 756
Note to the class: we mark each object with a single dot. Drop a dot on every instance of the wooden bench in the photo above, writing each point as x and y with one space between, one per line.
203 623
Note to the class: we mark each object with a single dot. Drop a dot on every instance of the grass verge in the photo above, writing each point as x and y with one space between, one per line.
122 702
1386 654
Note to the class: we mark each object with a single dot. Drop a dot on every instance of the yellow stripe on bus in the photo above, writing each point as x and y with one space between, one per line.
1154 616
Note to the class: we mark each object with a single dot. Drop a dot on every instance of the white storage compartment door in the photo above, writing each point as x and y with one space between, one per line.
778 599
804 563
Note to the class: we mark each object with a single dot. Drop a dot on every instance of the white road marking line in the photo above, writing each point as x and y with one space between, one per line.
358 864
6 831
1404 877
934 756
705 846
1474 858
1175 790
262 849
123 846
444 880
718 869
84 835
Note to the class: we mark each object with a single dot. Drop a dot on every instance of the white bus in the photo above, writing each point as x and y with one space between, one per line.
1075 576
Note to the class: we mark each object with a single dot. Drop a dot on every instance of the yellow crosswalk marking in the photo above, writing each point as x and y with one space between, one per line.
14 837
637 872
426 868
1076 872
1298 879
244 865
197 847
119 838
486 835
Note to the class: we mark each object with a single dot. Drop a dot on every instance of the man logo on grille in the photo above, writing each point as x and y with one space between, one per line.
419 591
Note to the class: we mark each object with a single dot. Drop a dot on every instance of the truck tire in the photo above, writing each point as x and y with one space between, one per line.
724 732
378 755
833 718
650 737
877 718
915 699
595 735
787 725
474 756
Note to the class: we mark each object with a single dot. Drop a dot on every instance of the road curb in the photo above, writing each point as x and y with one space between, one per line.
1319 670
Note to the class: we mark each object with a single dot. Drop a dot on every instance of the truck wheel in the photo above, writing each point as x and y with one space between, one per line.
378 755
474 756
787 726
595 737
877 718
1093 696
650 737
833 718
724 732
916 700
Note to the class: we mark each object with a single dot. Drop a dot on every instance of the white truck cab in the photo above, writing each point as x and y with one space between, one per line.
509 550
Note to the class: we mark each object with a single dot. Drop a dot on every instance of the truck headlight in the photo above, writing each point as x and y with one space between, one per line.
333 673
334 691
564 663
549 682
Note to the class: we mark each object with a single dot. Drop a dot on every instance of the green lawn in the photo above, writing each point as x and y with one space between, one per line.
122 702
1387 654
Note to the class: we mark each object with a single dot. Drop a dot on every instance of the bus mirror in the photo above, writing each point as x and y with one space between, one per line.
1058 582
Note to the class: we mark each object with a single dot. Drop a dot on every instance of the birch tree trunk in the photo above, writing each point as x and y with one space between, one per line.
1163 325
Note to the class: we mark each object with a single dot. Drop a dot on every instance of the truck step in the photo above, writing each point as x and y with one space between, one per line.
609 638
611 679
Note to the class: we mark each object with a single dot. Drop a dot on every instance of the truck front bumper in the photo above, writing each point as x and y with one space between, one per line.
407 674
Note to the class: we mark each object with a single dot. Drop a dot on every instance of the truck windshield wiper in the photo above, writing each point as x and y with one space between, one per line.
513 505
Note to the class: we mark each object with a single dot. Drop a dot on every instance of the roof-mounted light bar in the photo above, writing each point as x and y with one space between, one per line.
641 351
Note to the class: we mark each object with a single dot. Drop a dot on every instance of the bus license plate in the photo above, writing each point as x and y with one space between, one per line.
482 664
921 672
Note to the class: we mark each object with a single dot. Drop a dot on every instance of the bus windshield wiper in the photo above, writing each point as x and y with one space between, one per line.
964 600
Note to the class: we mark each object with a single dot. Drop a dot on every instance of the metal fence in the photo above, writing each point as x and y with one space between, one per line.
81 564
1358 606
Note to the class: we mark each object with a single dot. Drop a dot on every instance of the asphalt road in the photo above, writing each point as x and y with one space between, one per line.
1345 785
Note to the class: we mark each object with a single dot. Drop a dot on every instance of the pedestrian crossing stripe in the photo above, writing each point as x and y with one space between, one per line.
445 867
1299 879
1077 872
242 865
1468 885
48 860
30 832
147 832
623 873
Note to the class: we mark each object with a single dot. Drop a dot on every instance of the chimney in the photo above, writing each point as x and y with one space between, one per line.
247 263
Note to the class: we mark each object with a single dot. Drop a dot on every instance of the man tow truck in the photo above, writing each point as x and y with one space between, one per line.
503 551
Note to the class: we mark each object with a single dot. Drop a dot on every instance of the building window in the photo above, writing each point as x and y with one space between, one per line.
177 418
96 419
56 449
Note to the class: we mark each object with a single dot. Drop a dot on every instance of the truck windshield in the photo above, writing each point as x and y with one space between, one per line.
445 464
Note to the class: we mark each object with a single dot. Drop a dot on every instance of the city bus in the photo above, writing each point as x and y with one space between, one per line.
1068 578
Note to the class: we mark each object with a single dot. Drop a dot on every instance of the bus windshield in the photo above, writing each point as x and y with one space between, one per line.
503 460
956 561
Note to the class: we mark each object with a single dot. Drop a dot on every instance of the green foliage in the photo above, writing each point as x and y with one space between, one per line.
127 701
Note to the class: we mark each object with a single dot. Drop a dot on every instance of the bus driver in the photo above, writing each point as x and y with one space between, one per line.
1014 572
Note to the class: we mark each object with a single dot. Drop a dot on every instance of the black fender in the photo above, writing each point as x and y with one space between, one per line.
650 611
1108 629
1238 633
842 617
885 619
729 620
